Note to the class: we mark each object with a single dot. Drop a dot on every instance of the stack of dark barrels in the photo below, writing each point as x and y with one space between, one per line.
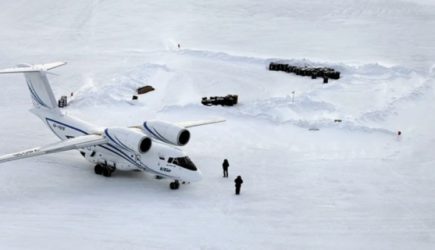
313 72
229 100
62 102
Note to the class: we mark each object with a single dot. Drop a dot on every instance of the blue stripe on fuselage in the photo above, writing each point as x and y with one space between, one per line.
35 94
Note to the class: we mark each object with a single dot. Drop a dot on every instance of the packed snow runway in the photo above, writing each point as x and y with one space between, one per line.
309 182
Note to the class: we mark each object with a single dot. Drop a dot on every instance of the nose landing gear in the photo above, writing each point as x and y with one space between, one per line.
174 185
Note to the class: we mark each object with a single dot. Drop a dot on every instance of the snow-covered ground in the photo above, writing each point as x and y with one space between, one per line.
310 183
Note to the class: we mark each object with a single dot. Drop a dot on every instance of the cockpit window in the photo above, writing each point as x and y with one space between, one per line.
184 162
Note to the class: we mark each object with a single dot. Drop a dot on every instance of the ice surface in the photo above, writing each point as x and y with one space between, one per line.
310 182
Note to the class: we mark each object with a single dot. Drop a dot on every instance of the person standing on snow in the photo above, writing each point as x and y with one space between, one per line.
238 182
225 166
399 135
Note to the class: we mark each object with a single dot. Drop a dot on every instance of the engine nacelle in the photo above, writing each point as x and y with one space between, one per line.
167 132
129 139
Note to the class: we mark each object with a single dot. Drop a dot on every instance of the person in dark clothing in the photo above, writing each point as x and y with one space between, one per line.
225 166
238 182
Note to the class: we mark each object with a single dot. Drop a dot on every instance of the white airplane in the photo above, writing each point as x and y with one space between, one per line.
150 147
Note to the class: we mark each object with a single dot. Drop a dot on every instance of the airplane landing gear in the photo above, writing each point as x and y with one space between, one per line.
174 185
107 172
98 169
104 170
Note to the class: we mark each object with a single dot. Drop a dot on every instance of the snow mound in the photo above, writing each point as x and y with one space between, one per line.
365 94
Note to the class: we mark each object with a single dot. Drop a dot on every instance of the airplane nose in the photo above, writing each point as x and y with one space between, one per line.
196 176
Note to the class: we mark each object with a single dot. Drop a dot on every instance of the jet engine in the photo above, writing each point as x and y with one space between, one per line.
129 139
167 132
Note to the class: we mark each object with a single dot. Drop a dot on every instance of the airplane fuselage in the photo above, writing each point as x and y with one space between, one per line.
159 160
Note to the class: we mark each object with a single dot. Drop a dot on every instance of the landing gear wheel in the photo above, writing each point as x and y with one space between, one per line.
107 172
98 169
174 185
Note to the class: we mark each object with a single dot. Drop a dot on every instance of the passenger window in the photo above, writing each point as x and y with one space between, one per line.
162 158
170 160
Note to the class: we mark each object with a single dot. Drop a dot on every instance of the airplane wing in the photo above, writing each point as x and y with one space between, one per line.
74 143
190 124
